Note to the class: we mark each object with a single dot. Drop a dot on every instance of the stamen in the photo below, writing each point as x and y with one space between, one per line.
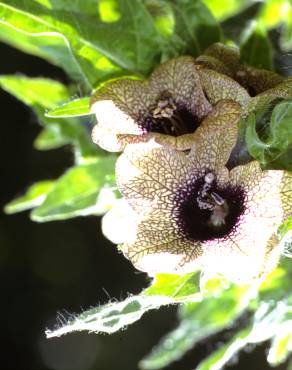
203 199
168 117
217 199
219 214
205 209
164 109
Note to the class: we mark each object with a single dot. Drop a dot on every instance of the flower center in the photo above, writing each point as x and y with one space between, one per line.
208 199
203 210
169 117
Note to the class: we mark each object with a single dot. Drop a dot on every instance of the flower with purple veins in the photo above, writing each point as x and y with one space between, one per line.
168 107
191 212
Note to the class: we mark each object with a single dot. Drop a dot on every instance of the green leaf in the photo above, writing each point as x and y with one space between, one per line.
76 107
106 38
162 15
175 286
76 192
111 317
220 357
192 20
165 289
269 319
275 13
42 94
50 46
198 321
274 148
226 8
33 197
281 346
35 92
256 48
53 136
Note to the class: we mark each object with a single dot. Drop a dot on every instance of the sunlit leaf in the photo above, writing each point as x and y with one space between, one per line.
48 45
35 91
281 346
176 286
256 48
33 197
165 289
111 317
275 13
106 38
76 192
76 107
226 8
198 321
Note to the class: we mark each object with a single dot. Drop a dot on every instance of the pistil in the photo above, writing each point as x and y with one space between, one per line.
212 201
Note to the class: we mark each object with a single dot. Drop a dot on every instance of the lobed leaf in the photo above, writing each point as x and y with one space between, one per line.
165 289
111 317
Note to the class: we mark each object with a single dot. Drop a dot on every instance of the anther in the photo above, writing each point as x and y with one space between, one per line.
209 178
217 199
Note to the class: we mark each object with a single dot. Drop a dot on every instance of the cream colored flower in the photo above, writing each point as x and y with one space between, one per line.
193 213
168 107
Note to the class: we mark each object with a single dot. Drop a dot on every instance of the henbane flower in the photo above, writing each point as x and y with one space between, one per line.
180 93
226 60
193 213
169 107
223 76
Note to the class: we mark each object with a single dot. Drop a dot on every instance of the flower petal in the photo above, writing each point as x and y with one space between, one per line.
219 87
256 79
117 106
120 222
283 90
179 78
286 194
182 142
159 248
255 234
216 137
149 172
221 58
